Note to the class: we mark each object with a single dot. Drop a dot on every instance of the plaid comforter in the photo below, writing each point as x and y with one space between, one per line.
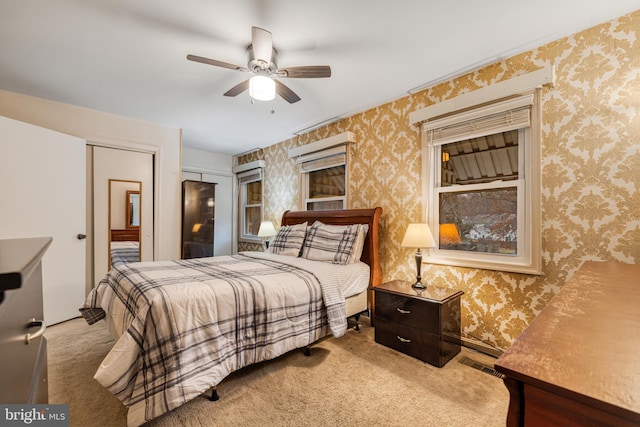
125 254
187 324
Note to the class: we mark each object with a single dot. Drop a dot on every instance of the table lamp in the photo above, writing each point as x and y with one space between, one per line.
449 235
266 230
418 236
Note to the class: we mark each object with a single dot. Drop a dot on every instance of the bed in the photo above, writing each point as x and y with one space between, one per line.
122 252
182 326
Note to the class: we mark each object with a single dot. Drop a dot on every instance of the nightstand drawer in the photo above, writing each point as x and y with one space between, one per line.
408 311
410 341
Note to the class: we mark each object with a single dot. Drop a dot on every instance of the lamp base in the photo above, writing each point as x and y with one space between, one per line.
419 286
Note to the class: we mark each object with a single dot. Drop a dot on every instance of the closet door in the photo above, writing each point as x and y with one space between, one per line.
117 176
42 188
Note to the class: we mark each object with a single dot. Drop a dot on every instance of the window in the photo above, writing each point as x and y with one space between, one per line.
483 186
324 172
250 189
252 208
325 188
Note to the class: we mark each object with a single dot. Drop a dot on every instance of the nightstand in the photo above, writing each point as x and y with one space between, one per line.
425 325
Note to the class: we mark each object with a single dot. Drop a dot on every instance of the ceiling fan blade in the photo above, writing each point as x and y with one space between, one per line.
215 62
262 43
238 89
286 93
307 72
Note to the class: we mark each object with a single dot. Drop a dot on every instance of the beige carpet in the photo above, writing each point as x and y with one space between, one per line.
351 381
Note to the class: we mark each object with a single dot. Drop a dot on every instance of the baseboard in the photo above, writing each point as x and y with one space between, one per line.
481 347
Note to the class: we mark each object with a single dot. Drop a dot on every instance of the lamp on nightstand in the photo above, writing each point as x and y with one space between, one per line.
266 230
418 236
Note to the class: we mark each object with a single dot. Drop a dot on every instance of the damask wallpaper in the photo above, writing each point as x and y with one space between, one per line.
590 173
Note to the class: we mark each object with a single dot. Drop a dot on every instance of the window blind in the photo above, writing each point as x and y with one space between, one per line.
495 118
250 176
323 159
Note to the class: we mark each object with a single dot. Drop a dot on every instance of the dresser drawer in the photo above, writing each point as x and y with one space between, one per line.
410 341
407 311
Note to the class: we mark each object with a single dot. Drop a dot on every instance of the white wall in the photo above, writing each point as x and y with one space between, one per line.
205 166
115 131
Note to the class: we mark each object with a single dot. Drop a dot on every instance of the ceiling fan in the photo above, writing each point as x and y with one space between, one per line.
264 65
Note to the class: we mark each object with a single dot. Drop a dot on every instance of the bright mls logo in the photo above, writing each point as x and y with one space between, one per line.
34 415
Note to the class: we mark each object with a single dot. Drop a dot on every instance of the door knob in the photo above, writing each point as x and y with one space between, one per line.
81 236
33 322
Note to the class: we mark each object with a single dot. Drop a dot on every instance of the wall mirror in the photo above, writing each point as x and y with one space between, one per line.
124 221
132 209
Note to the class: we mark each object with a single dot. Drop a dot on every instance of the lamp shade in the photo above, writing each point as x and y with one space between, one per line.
449 234
418 236
266 229
262 88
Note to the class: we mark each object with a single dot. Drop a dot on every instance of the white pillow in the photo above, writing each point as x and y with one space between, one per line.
359 245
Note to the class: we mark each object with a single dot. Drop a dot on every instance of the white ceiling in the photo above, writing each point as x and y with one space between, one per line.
128 57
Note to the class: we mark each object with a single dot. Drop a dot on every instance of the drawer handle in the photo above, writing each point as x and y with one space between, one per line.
402 339
403 311
33 322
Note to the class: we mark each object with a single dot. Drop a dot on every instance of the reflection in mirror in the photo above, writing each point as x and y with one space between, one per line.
124 221
198 212
133 209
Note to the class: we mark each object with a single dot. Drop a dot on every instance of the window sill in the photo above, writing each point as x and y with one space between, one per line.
503 266
257 241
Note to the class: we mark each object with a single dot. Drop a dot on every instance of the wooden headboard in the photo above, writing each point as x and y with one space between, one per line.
370 252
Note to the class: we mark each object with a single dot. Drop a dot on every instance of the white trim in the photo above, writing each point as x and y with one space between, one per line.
517 85
323 144
219 172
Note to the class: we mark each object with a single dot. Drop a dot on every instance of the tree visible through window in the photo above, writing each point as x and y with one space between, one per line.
486 219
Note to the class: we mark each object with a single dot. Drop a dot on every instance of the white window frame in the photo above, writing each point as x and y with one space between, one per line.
248 174
319 161
528 258
324 154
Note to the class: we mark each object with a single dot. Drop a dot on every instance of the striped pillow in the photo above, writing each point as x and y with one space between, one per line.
331 243
288 241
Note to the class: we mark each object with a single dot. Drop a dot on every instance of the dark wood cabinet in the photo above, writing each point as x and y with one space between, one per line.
23 348
198 219
577 363
424 325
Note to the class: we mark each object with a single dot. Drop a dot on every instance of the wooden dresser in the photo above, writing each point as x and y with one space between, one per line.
23 348
578 362
424 325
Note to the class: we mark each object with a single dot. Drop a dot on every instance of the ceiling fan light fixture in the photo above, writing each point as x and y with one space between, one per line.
262 88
